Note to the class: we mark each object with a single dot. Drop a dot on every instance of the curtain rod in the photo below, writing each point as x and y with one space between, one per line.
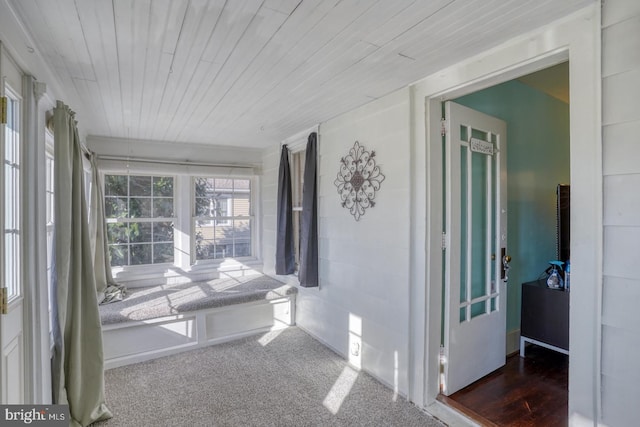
172 162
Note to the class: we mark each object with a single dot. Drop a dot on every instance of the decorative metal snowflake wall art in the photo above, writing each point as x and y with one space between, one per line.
358 180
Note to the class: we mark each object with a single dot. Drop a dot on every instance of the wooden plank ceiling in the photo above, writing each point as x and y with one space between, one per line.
252 72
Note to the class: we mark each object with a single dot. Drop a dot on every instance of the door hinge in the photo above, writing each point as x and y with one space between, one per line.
442 361
443 126
444 240
3 301
3 110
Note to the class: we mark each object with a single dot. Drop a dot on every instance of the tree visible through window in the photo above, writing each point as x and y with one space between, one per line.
140 216
222 218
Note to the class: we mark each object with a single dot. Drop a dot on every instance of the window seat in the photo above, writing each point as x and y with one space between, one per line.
160 320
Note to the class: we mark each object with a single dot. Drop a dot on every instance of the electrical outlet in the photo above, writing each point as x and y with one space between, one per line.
355 349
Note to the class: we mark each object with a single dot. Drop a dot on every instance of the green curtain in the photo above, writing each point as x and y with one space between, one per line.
78 360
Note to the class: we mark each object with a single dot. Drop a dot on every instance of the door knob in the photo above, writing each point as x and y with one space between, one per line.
506 259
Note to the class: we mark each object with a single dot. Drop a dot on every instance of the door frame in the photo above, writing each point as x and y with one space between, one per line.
576 38
35 294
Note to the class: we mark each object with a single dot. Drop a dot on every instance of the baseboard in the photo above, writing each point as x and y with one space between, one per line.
449 416
513 341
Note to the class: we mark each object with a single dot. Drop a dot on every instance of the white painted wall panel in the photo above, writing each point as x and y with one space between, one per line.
621 252
620 303
615 11
364 265
621 47
619 402
620 94
269 195
328 323
620 354
621 150
622 200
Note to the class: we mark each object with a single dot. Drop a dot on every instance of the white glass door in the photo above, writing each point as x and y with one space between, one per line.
12 369
475 299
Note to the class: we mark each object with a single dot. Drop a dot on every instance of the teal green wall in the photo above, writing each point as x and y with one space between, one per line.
537 160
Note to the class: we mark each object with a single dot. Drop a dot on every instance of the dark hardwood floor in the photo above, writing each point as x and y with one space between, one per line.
531 391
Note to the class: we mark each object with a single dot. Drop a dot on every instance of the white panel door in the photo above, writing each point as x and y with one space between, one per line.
12 364
476 237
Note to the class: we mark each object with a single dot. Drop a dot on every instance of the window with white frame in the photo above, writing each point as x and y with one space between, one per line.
297 183
49 196
222 219
140 217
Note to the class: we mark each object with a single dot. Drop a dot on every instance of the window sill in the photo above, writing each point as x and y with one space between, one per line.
293 280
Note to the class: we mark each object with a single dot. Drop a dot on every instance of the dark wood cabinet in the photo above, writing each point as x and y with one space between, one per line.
545 317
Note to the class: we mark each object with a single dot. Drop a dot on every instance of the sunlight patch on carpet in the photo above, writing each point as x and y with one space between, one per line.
340 389
269 336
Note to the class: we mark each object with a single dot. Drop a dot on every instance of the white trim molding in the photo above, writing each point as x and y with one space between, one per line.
298 142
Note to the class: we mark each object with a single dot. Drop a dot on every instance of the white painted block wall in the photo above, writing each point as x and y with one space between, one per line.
621 169
364 265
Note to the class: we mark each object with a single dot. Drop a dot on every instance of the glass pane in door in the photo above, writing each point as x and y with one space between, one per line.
479 231
477 228
11 165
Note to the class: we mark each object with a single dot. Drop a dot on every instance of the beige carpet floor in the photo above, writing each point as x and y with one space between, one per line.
283 378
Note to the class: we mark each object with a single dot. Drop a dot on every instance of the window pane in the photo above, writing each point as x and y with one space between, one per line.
478 308
140 185
242 184
242 238
140 254
224 185
203 187
115 185
140 232
115 207
119 255
243 249
162 252
205 249
117 233
223 238
464 235
222 206
479 232
203 207
242 204
162 186
163 232
12 192
163 207
140 208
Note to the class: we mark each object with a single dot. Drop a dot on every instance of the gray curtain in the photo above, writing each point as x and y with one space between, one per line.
108 290
285 258
78 360
308 272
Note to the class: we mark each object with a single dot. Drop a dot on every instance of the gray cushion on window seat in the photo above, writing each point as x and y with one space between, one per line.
164 300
